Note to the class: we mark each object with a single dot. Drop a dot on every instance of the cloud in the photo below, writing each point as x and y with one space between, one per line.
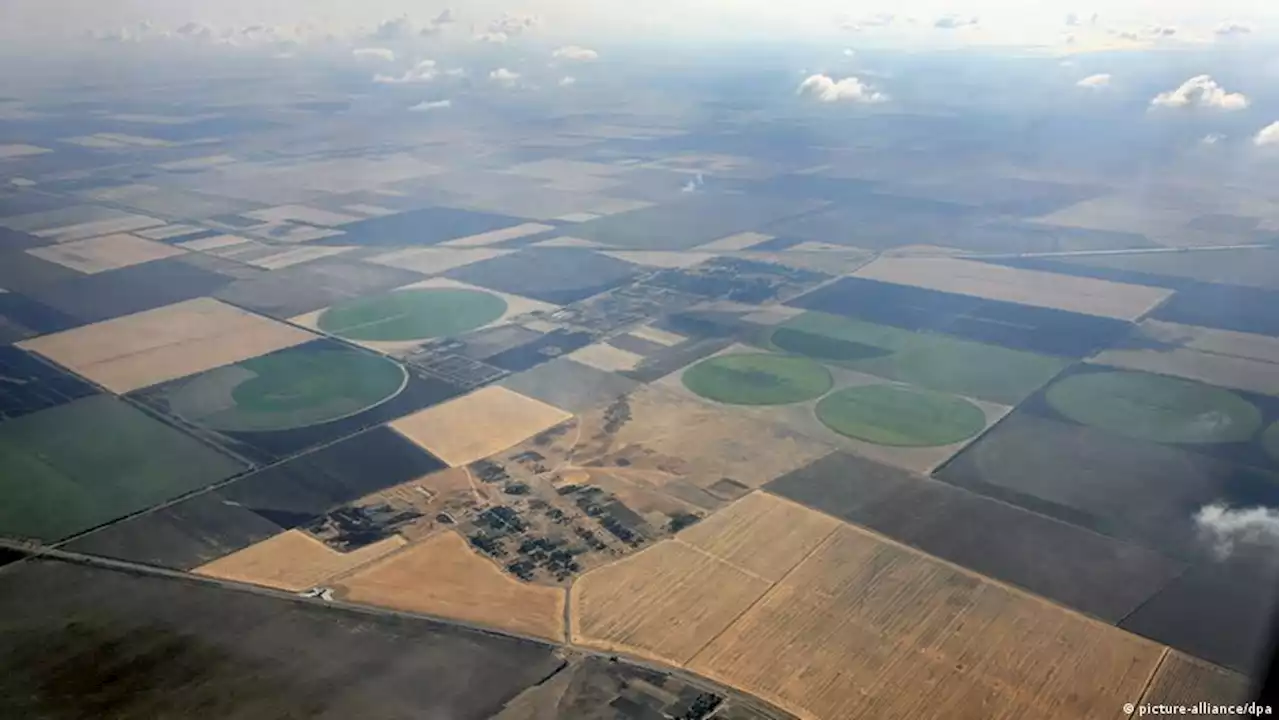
424 71
574 52
374 52
1232 29
826 89
1201 91
1071 20
847 52
1162 31
437 23
954 22
512 25
1268 135
1224 528
1100 80
495 38
693 185
1126 35
1212 139
428 105
398 28
195 30
566 81
504 76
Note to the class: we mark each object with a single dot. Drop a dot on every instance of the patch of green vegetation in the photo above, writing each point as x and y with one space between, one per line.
70 468
758 379
412 314
1270 442
938 362
900 416
1155 407
300 387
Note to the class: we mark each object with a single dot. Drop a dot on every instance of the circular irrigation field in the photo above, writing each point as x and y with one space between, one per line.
900 416
412 314
1155 407
758 379
288 390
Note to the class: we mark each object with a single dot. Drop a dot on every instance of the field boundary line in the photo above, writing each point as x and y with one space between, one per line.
1151 679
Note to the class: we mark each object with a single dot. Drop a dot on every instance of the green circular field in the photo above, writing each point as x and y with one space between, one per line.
900 416
758 379
412 314
290 389
1155 407
1270 441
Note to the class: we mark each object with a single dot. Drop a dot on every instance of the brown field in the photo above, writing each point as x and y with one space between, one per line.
478 425
653 334
432 260
565 241
294 561
93 228
604 356
669 601
1184 680
740 241
762 534
15 150
301 213
665 603
209 244
1028 287
170 342
108 252
442 576
887 632
164 232
497 236
1244 361
452 492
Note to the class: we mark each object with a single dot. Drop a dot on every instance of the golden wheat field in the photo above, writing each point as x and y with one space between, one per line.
867 629
478 425
293 560
762 534
443 576
1184 680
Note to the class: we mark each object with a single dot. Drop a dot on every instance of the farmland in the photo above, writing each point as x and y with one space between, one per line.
894 415
412 314
757 379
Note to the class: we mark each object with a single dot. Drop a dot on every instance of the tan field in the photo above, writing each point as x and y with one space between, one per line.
577 217
17 150
442 576
565 241
762 534
451 492
604 356
1222 370
741 241
150 347
294 561
614 206
94 228
479 424
662 337
1028 287
497 236
1184 680
887 632
661 258
370 210
217 242
197 163
164 232
1222 342
301 213
108 252
664 603
432 260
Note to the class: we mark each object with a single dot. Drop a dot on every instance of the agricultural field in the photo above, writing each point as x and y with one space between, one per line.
759 379
1241 361
293 561
88 642
478 425
154 346
69 468
552 275
444 577
846 600
28 385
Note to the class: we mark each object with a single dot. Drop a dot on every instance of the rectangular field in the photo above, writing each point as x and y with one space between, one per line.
1019 327
28 385
478 425
873 619
170 342
1025 287
68 468
445 577
1184 680
92 298
293 561
108 252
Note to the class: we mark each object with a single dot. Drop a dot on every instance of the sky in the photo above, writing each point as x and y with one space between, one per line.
921 22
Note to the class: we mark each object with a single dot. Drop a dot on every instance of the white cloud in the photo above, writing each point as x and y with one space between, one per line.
1162 31
374 52
574 52
398 28
504 76
954 22
1071 19
826 89
1229 29
848 52
1201 91
437 23
428 105
424 71
195 30
1224 527
1126 35
693 185
512 25
1100 80
1268 135
1212 139
494 38
454 72
566 81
